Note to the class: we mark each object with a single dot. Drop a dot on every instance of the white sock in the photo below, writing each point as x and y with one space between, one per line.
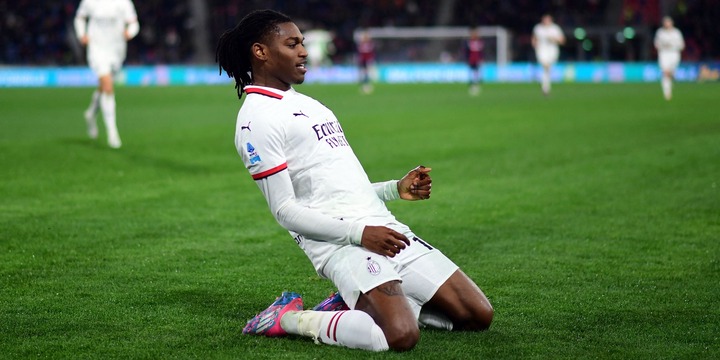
107 105
667 87
546 81
94 102
354 329
90 115
435 320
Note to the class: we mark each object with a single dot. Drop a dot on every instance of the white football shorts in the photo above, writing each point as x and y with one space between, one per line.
421 268
668 61
547 56
105 61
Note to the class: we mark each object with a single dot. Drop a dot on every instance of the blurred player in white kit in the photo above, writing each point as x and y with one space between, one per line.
546 38
105 26
319 45
669 43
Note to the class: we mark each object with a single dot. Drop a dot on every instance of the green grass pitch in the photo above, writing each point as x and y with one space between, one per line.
591 219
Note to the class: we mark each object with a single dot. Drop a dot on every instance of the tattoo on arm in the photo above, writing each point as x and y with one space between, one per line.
391 288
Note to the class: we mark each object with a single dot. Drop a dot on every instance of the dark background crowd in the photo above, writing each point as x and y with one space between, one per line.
186 31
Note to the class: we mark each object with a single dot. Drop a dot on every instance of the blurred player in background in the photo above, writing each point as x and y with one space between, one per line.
366 56
474 47
105 26
320 46
296 151
546 38
669 44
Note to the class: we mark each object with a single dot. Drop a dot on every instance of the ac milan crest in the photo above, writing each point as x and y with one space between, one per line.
373 267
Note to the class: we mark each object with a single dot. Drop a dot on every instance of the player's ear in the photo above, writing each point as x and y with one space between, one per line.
260 51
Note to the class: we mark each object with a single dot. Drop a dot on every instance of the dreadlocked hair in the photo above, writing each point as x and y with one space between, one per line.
233 51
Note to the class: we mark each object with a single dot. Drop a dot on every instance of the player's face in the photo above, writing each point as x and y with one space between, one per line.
667 23
287 57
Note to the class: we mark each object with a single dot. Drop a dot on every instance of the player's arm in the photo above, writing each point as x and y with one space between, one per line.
279 193
656 41
681 42
80 23
132 29
387 190
132 25
280 196
662 42
415 185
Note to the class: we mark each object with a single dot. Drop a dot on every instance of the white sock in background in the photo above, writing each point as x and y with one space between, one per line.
667 87
546 81
94 102
90 115
354 329
107 105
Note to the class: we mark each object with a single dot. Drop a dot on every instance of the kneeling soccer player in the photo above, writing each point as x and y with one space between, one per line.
295 149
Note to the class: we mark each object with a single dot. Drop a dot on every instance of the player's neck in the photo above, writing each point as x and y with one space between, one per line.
270 82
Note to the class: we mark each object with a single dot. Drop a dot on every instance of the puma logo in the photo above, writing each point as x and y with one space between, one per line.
300 114
243 127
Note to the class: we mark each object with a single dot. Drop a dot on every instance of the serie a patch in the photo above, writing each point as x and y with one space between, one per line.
252 154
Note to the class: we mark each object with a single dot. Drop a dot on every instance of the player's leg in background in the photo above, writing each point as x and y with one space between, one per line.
91 114
366 85
667 79
461 301
474 80
545 79
107 105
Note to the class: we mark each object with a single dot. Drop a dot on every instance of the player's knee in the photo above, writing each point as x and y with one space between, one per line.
484 318
402 338
476 320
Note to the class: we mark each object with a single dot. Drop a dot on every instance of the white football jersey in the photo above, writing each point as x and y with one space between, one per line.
669 40
280 131
547 37
107 21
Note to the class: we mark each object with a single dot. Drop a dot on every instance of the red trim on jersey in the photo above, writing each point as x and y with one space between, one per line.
270 172
254 90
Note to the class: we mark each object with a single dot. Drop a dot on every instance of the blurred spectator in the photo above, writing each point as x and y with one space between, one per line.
319 45
36 32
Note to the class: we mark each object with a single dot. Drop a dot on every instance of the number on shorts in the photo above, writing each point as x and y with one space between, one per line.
415 238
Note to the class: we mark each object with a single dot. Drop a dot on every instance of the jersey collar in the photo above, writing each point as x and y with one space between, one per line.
266 91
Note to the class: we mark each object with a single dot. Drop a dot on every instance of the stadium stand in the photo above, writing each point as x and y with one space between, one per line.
40 33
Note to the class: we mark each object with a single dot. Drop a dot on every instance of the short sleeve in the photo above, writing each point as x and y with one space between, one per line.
130 13
82 10
261 144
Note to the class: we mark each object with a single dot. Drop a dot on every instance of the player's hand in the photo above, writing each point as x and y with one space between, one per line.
416 185
383 241
84 40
